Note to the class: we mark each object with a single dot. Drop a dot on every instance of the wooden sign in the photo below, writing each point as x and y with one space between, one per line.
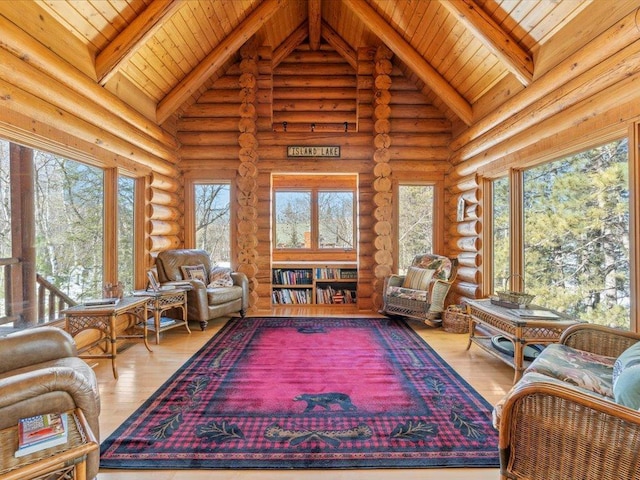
313 151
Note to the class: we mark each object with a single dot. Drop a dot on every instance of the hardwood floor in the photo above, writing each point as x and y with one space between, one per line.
141 373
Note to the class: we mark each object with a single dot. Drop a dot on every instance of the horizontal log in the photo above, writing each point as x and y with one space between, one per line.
398 125
318 104
469 259
165 182
318 127
208 125
162 197
304 92
299 57
314 117
218 95
327 82
466 289
415 111
161 242
213 110
313 139
13 99
227 82
410 97
467 244
322 69
161 228
469 275
208 138
161 212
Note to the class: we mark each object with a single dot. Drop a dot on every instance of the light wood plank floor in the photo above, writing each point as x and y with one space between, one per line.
141 373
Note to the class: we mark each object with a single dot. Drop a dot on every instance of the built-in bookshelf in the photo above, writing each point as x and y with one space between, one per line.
314 284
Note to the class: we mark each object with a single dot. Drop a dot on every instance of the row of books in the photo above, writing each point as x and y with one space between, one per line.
286 296
332 296
292 277
336 273
40 432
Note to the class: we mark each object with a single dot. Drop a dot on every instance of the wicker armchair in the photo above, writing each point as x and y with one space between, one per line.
405 298
567 426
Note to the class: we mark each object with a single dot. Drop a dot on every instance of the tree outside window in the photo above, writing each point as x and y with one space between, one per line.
415 223
126 205
576 234
213 220
501 234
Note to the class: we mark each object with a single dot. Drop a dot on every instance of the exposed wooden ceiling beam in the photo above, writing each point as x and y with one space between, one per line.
283 50
412 58
502 45
339 44
216 58
315 19
134 36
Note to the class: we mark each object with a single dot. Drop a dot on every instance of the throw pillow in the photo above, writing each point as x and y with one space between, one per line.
194 272
626 377
418 278
220 277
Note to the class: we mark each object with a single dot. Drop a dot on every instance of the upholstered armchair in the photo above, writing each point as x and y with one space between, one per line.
40 372
211 295
421 293
574 413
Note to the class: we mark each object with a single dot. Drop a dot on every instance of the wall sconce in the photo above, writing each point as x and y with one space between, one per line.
284 126
346 126
313 127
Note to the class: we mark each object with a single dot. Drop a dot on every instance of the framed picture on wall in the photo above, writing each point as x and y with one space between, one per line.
154 284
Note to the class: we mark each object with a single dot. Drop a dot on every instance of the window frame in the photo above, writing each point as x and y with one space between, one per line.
516 199
314 183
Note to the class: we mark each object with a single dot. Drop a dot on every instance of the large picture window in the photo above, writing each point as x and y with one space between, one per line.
576 234
501 234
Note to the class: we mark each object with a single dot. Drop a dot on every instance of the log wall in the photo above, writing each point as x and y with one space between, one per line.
216 139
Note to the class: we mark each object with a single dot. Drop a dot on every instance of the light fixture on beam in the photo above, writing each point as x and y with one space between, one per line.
313 127
284 126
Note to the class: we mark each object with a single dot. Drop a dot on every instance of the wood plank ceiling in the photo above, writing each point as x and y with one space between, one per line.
161 55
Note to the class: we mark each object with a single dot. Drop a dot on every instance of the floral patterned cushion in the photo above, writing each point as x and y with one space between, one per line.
441 265
576 367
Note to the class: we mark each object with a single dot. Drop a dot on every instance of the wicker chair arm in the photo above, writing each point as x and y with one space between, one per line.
598 339
554 431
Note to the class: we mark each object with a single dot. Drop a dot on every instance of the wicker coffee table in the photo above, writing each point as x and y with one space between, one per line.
487 320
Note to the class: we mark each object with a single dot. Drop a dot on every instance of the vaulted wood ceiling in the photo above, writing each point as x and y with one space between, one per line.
159 56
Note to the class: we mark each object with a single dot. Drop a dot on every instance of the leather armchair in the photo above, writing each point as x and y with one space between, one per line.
204 303
40 372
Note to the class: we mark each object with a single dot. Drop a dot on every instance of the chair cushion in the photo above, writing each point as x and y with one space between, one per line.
407 293
583 369
220 277
418 278
442 265
221 295
626 377
195 272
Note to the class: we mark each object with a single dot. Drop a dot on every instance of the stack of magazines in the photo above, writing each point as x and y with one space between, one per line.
40 432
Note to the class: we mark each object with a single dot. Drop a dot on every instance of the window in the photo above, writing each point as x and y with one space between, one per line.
5 218
312 216
415 223
576 234
126 203
293 219
501 234
213 220
69 199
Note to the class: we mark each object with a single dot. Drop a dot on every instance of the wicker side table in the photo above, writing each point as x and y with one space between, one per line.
161 301
66 461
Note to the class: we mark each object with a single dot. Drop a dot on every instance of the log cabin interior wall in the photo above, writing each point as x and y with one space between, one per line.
410 91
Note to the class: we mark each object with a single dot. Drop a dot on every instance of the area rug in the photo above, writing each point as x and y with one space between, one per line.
281 393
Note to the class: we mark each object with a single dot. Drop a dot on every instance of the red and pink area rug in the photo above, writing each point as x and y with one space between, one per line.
282 393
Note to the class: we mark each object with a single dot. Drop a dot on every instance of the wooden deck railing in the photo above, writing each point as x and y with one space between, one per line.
50 299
